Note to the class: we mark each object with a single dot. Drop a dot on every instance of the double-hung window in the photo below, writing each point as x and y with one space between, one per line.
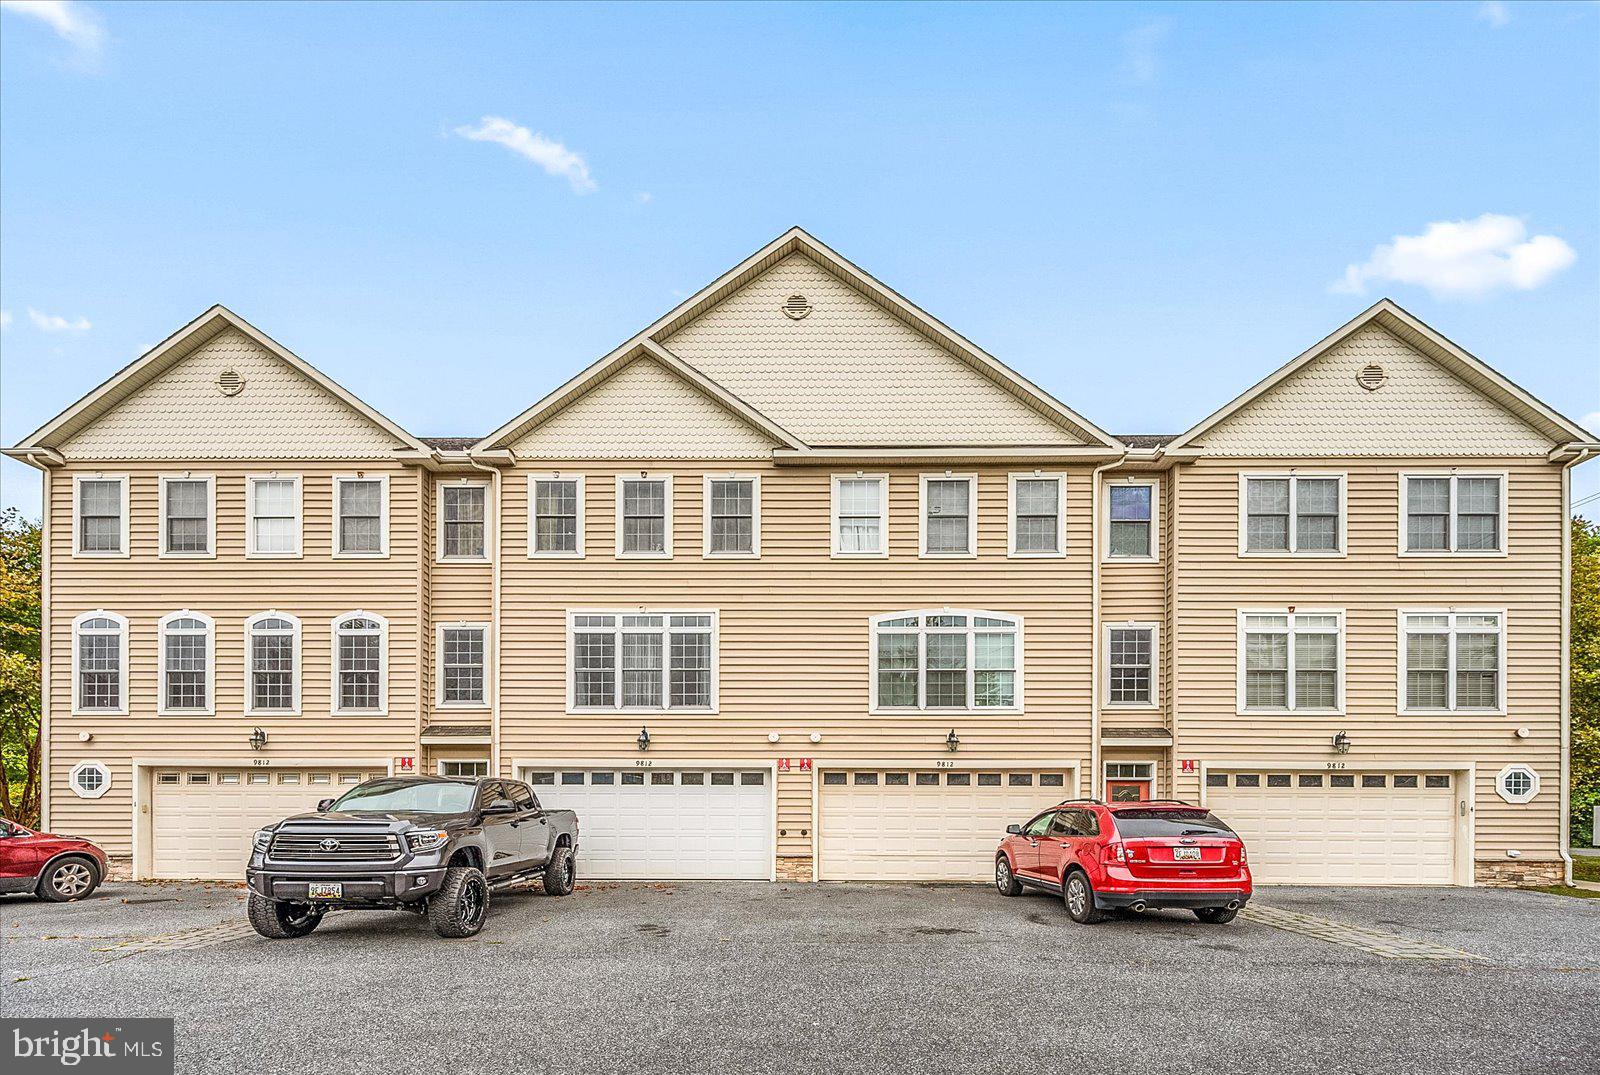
463 657
274 523
949 515
462 511
360 664
644 661
100 663
100 516
1452 661
861 515
1131 665
1130 520
555 522
947 659
361 517
188 517
644 517
1291 661
186 663
1036 515
272 654
1300 514
732 515
1456 512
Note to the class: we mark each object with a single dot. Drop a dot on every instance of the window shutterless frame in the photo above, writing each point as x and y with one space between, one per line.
165 537
1452 514
1106 555
100 623
1450 628
98 780
1293 630
79 531
536 553
665 552
617 661
1517 784
1012 505
1154 631
297 502
489 514
1293 478
439 700
463 768
347 624
836 504
382 551
173 626
894 623
263 622
708 510
971 551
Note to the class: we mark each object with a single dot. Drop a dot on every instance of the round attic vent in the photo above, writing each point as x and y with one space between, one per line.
797 307
1372 377
229 383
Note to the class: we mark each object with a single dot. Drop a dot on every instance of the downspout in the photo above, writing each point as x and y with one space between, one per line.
45 631
1566 661
494 617
1094 623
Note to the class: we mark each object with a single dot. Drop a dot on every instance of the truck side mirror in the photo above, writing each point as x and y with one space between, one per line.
501 806
1014 830
324 805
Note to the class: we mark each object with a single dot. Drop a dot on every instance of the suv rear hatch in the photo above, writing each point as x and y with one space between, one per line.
1178 845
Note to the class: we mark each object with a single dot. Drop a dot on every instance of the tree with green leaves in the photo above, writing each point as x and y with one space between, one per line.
1585 697
20 561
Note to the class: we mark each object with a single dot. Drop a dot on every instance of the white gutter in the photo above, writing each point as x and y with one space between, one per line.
1566 658
1094 625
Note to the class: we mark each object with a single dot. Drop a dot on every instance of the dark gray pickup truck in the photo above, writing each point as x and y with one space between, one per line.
427 844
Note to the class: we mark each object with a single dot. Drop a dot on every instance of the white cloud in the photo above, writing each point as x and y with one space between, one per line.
72 22
1463 259
55 323
555 158
1140 60
644 197
1494 12
5 319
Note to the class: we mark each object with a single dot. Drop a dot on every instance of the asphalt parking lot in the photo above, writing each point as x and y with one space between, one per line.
835 978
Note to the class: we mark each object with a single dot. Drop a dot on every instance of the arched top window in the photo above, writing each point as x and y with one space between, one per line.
948 659
272 656
360 664
100 663
186 663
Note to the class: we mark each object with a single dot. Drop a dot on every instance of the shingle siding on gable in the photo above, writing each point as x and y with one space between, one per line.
280 414
850 373
1420 410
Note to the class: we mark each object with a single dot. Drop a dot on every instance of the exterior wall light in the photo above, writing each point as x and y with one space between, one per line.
816 737
772 737
952 741
1341 743
644 739
258 739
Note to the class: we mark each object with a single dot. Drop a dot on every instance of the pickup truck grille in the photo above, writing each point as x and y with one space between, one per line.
309 847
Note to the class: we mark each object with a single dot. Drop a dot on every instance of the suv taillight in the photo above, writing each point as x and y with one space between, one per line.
1117 852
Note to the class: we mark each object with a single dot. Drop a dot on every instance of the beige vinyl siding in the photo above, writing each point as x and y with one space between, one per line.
230 588
1371 584
795 636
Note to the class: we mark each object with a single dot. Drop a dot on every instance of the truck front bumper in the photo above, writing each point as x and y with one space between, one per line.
365 888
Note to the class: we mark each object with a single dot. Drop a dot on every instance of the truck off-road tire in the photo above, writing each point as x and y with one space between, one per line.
278 920
1004 879
1078 895
561 872
67 879
1216 916
460 906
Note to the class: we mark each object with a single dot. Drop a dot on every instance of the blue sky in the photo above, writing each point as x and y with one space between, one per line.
452 208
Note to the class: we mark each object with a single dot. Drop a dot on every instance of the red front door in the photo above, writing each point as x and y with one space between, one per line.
1127 791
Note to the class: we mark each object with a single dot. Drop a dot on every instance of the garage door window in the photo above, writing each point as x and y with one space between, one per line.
947 660
1291 662
649 661
186 648
1453 661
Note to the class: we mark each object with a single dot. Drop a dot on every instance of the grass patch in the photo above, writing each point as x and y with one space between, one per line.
1586 868
1563 890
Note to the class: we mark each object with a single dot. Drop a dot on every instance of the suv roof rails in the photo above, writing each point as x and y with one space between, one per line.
1159 802
1096 802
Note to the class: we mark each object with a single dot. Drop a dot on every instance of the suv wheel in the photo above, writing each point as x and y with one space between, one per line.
69 879
461 904
1079 898
279 920
560 873
1216 916
1004 879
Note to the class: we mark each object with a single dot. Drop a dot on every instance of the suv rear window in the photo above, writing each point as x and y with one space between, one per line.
1148 824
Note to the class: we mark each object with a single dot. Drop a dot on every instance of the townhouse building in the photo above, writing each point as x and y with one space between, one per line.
799 583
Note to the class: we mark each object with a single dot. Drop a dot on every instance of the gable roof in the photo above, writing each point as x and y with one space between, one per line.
168 353
1389 316
797 241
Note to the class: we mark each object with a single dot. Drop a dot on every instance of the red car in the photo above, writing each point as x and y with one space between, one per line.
1127 855
58 868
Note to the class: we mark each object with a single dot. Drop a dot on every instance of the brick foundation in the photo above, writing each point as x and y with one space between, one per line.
1519 873
795 869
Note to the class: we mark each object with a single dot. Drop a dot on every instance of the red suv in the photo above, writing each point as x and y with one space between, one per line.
58 868
1104 856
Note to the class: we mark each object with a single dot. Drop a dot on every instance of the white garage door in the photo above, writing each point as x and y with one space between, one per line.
201 820
666 824
910 826
1394 828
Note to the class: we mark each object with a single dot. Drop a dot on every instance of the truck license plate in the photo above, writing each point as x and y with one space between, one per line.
1186 854
326 890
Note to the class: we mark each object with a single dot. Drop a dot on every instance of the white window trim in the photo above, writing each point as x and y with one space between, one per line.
1500 784
1450 524
1061 514
922 662
439 765
383 665
211 517
1240 709
1293 478
1150 778
251 553
105 781
666 517
1155 522
77 517
210 708
383 517
755 517
122 664
882 553
489 517
1155 664
666 660
1450 656
488 663
533 516
250 708
971 552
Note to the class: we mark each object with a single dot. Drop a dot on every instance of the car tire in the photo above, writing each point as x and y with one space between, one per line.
279 920
1216 916
68 879
1004 879
1078 895
561 872
461 905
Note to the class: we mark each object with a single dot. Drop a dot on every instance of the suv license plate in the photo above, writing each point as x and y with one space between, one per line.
1179 854
325 890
